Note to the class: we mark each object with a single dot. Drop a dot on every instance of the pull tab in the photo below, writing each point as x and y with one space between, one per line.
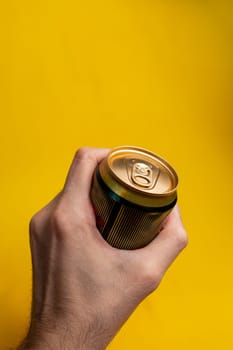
142 174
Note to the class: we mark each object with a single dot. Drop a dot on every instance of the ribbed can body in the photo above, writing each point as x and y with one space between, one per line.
126 220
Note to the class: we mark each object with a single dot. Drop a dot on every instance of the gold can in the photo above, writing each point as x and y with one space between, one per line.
133 191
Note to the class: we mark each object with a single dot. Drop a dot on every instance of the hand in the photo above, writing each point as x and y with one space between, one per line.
84 289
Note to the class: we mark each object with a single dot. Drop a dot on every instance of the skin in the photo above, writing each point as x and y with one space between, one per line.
84 289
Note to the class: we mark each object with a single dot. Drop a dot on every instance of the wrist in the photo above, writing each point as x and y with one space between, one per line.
45 338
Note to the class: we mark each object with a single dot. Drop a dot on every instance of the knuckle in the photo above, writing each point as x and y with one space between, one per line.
182 238
34 225
59 219
83 153
65 221
151 275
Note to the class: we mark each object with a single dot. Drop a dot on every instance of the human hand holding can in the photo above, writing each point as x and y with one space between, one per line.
80 281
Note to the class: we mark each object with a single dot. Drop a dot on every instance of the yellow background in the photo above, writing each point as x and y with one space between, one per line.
157 74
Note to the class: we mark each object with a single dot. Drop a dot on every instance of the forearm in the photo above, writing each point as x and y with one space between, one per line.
58 344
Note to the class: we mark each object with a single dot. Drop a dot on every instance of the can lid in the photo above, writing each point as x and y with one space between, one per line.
137 172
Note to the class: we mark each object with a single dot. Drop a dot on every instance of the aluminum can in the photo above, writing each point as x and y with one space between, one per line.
133 191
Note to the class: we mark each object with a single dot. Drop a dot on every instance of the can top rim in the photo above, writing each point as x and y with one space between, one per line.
142 171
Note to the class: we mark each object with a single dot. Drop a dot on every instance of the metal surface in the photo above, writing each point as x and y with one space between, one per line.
139 176
133 191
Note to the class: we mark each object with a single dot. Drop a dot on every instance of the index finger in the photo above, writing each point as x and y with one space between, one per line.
79 178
